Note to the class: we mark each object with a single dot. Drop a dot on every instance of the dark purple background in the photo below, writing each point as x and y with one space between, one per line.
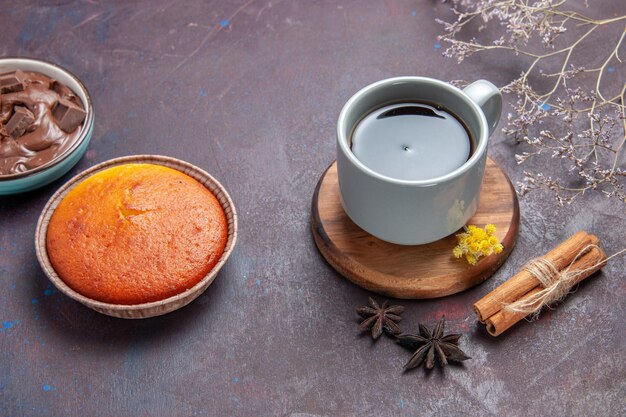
250 91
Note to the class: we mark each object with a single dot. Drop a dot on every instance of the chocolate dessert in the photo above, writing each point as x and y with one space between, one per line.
40 118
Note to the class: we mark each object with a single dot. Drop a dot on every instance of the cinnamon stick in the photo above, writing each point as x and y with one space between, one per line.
522 282
505 319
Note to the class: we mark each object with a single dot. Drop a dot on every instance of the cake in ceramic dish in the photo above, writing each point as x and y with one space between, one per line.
136 233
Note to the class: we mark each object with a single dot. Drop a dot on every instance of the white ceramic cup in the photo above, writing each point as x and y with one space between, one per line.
416 212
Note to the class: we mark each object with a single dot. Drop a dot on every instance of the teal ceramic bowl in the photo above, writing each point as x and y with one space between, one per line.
55 169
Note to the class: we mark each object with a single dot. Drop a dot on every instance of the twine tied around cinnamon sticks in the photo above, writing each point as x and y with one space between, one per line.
556 284
541 282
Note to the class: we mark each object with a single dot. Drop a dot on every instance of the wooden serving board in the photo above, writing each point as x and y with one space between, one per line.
421 271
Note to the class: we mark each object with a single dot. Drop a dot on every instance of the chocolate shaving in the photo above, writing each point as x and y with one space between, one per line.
68 115
20 121
11 82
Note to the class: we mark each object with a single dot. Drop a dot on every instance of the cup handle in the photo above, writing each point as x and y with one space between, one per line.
489 98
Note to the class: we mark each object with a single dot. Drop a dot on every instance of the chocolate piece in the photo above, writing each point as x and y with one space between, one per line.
62 90
20 121
68 115
65 92
12 82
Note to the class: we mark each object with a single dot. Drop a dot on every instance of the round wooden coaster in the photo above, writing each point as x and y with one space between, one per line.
421 271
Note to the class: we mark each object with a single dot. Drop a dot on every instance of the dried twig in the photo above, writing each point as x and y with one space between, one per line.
593 154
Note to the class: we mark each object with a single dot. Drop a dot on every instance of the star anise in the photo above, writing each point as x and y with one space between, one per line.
430 345
380 318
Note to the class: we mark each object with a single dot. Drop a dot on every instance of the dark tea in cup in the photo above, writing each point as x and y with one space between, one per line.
412 141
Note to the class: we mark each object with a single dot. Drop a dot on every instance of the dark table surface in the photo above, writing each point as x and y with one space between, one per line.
250 91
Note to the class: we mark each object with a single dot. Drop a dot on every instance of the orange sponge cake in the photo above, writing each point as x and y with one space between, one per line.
136 233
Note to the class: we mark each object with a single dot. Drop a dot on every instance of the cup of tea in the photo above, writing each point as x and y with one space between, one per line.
411 154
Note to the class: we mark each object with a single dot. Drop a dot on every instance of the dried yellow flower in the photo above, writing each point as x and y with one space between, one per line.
476 243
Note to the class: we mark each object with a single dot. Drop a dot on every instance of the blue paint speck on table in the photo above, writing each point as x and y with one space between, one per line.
437 45
203 93
34 301
235 380
611 69
6 325
47 388
545 106
257 282
402 403
224 23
